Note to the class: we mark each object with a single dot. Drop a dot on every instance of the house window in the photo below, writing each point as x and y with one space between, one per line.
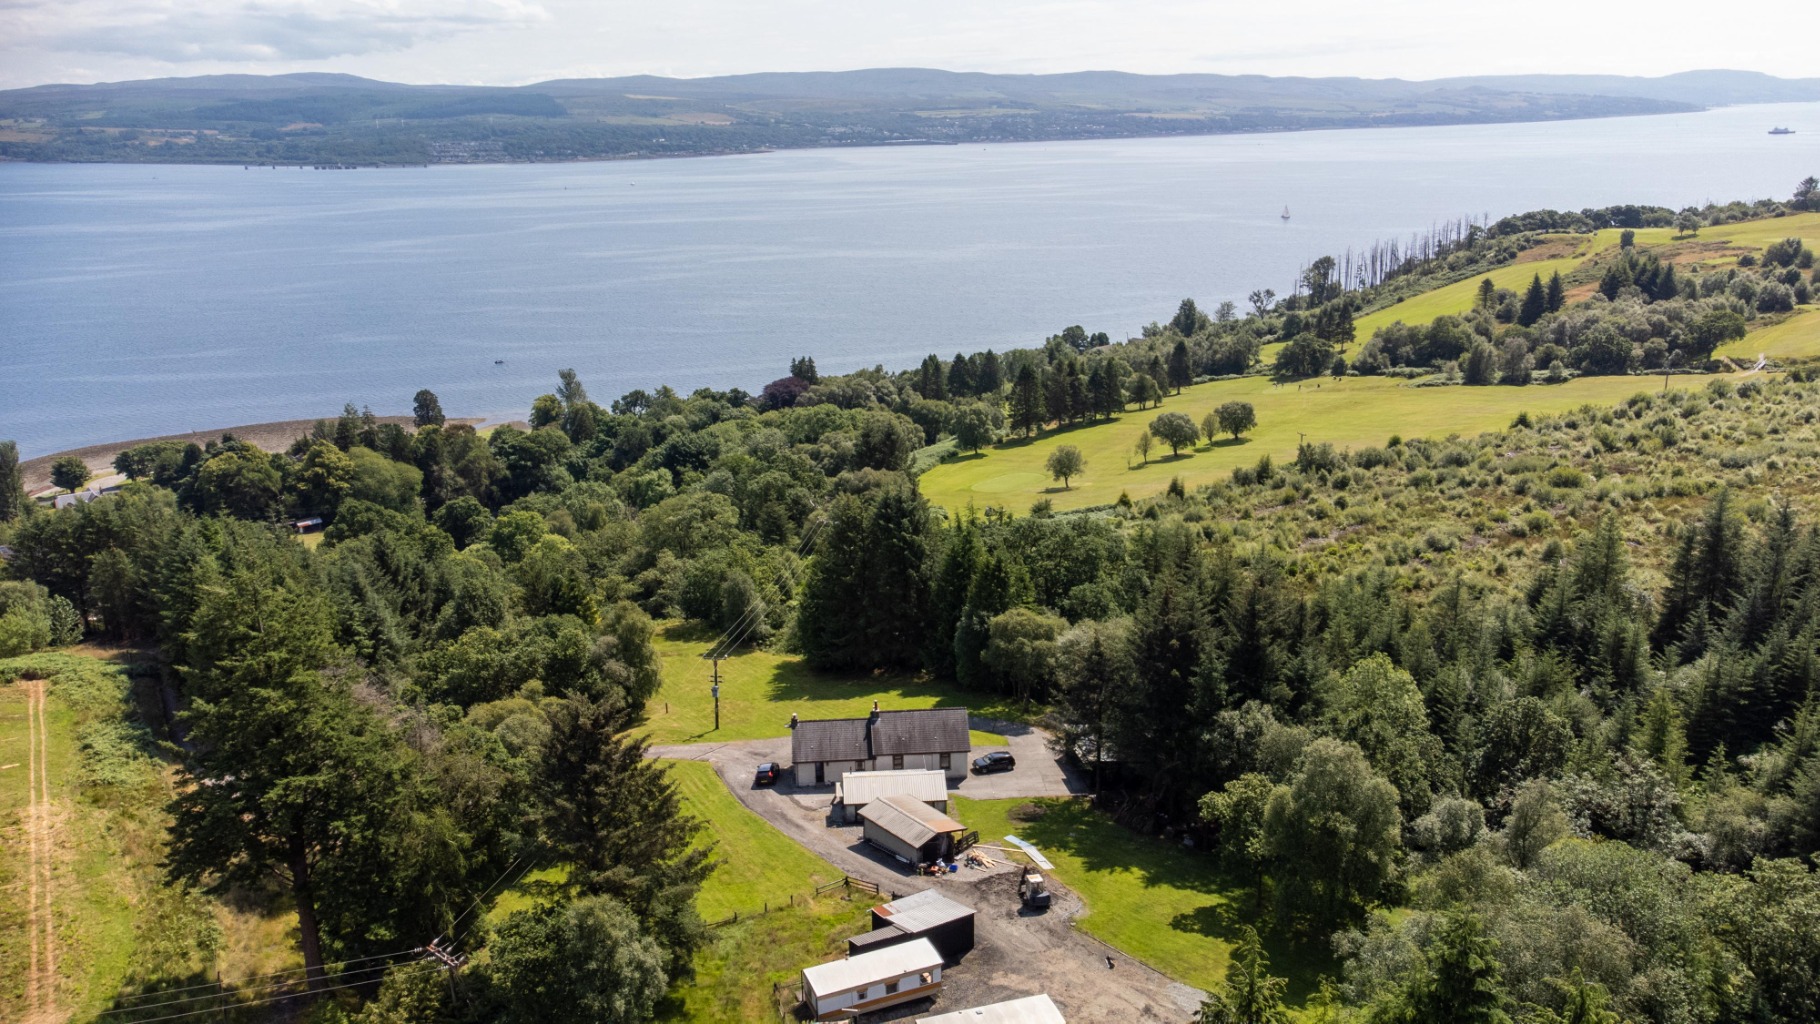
947 761
897 761
891 986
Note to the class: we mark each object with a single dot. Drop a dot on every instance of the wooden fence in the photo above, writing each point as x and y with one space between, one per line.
846 884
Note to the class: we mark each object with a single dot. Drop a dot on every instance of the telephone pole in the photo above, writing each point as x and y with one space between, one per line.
716 694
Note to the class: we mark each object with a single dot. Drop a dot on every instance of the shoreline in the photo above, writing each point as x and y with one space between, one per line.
275 435
886 144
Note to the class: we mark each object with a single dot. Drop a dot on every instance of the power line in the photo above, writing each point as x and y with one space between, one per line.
528 868
484 892
426 966
225 991
725 644
256 977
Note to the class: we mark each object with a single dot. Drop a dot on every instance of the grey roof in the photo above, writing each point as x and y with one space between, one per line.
933 731
921 911
857 789
872 968
834 739
908 819
1038 1009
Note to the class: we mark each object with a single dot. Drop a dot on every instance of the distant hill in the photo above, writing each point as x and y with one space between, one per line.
345 119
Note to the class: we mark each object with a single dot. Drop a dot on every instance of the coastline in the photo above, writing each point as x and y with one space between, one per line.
272 436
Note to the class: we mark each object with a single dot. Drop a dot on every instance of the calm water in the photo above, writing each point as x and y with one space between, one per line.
144 300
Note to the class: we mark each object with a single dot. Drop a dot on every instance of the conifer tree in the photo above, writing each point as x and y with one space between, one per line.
960 377
12 483
1557 293
1535 303
1028 405
1181 374
1250 995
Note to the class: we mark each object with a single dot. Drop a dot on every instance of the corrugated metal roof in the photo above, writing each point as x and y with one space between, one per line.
908 819
1028 1010
830 739
919 912
931 731
861 788
872 968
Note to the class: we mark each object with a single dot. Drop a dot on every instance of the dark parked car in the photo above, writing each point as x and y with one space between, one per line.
997 761
768 774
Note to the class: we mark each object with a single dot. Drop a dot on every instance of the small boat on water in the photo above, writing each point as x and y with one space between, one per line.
1782 131
1285 213
499 362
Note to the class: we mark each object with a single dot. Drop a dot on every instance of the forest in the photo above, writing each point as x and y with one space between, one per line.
1520 727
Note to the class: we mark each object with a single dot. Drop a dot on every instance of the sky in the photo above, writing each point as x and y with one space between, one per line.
514 42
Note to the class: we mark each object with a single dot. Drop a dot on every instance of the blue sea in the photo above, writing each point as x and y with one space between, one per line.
143 300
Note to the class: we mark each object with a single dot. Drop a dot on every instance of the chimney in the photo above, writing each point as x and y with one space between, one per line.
875 710
792 720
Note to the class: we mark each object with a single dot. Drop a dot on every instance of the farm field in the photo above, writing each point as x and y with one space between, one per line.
1797 337
1353 412
759 690
1165 905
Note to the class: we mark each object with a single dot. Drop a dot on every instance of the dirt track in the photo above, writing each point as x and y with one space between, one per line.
1017 952
41 966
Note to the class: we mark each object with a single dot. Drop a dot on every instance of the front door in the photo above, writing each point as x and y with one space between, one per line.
820 776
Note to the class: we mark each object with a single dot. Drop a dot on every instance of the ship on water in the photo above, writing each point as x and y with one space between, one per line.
1782 131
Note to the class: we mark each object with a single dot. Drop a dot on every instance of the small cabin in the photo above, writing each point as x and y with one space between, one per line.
910 830
1037 1009
846 988
310 525
857 789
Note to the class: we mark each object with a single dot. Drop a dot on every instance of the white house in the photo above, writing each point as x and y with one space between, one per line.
933 739
885 977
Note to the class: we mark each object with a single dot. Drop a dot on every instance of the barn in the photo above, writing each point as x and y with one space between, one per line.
857 789
909 829
924 915
843 989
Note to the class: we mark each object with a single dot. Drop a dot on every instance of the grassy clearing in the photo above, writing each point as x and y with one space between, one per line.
1459 297
1165 905
118 927
759 690
1351 413
759 865
1797 337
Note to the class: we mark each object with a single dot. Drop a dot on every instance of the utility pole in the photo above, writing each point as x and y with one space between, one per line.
716 694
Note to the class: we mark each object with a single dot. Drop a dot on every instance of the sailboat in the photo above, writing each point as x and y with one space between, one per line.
1285 213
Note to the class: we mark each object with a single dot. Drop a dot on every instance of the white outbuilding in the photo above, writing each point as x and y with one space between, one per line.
1039 1009
857 789
842 989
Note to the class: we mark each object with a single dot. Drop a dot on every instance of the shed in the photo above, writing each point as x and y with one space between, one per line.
909 829
823 750
306 525
1038 1009
857 789
923 915
884 977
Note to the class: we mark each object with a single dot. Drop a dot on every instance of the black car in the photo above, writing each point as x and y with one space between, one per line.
997 761
768 774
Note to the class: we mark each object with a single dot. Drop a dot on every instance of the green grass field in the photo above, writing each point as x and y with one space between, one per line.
759 865
1797 337
1458 297
759 690
1165 905
1351 413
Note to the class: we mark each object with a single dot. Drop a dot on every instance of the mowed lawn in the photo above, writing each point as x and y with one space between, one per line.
1163 904
758 865
1349 413
759 690
1797 337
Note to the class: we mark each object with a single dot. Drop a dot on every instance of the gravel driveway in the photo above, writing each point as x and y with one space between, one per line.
1017 952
